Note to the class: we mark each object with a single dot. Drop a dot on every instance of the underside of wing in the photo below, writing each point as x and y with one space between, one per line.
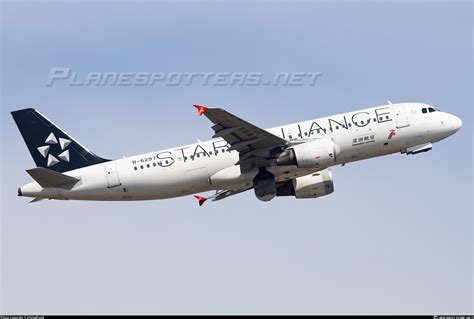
255 145
221 195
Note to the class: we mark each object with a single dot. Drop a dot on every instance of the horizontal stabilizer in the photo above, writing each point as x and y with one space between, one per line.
49 178
36 199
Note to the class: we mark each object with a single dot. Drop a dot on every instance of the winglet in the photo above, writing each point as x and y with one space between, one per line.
200 199
201 109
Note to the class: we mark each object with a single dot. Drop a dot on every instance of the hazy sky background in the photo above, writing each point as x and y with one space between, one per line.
395 237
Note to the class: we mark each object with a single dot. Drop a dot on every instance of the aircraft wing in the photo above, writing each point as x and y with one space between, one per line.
249 140
221 194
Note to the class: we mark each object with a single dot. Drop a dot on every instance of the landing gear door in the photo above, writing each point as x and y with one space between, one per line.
400 115
111 174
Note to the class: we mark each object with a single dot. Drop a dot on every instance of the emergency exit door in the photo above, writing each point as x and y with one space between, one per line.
111 174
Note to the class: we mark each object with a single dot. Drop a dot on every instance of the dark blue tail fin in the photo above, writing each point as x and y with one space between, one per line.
50 146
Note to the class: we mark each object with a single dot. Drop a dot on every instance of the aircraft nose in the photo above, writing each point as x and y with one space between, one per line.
456 123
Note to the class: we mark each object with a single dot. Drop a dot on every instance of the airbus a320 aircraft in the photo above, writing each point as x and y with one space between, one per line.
290 160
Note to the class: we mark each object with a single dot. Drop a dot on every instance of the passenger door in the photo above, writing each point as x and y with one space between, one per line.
111 174
400 115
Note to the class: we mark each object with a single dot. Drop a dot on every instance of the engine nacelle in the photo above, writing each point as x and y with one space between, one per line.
319 153
309 186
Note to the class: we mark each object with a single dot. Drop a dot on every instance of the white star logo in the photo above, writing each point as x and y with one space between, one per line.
51 140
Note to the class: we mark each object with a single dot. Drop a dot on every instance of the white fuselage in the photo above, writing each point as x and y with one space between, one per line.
209 165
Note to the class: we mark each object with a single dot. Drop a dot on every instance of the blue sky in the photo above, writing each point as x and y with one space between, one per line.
395 237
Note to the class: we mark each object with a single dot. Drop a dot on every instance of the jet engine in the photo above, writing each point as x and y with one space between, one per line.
320 153
309 186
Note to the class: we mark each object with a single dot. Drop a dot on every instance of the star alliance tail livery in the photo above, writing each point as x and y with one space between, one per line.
290 160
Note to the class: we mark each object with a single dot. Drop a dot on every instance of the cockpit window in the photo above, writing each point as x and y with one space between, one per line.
428 109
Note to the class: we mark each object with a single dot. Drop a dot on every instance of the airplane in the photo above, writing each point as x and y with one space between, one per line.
289 160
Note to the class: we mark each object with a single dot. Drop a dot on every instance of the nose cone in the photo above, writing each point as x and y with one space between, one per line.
448 125
456 123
